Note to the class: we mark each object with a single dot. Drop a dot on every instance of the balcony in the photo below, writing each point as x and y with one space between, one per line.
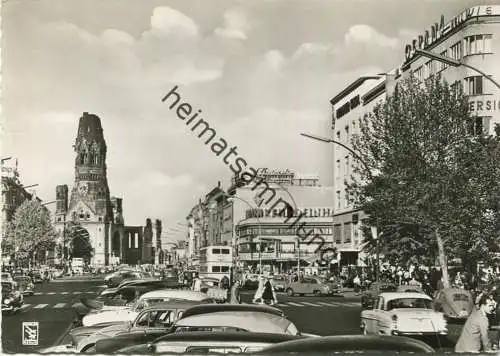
247 256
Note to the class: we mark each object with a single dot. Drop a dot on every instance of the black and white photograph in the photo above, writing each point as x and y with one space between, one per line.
267 177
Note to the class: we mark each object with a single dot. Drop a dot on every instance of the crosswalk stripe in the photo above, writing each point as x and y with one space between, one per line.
40 306
25 306
77 292
37 293
51 293
311 304
281 305
327 304
294 304
64 292
60 305
353 304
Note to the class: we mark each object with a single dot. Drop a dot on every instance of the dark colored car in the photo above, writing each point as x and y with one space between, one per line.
209 342
125 275
371 294
12 299
25 285
328 345
454 303
151 323
79 333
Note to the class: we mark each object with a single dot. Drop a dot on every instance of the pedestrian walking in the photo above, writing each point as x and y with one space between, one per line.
474 337
235 297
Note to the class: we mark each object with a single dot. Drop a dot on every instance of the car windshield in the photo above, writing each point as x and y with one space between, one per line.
460 297
402 303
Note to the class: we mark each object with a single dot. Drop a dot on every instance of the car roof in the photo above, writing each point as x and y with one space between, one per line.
175 304
397 295
251 321
228 336
213 308
343 343
176 294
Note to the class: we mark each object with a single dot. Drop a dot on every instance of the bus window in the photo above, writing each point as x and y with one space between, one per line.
225 251
225 269
215 268
216 251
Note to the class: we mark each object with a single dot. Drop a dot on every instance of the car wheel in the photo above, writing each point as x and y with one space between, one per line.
289 292
363 328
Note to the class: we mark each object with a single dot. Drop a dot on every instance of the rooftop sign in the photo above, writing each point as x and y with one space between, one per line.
441 29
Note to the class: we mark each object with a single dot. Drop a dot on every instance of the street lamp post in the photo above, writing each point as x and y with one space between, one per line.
354 154
260 227
454 63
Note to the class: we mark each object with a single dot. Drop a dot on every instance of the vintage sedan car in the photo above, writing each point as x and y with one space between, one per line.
77 334
213 308
249 321
454 303
202 342
128 313
125 275
343 344
150 323
279 282
12 299
370 296
25 285
403 314
309 285
410 288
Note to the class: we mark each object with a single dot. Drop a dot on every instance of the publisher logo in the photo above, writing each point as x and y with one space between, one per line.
30 333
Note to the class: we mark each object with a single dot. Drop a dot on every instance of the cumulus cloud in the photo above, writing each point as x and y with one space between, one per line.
167 21
235 25
368 35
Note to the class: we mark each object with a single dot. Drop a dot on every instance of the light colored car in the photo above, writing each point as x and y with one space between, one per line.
7 277
236 321
131 312
454 303
149 324
403 313
308 285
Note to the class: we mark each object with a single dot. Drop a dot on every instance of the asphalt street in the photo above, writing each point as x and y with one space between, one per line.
51 307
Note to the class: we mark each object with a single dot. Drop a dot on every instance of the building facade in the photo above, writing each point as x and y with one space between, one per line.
472 37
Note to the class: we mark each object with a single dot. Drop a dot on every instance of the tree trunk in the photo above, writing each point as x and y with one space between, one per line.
442 260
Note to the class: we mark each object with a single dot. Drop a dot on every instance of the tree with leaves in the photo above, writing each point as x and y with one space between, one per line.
30 231
432 188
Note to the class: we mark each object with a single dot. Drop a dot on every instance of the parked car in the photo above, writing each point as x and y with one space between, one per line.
151 323
12 299
213 308
125 275
207 342
343 344
403 314
247 321
25 285
370 295
130 312
309 285
454 303
7 277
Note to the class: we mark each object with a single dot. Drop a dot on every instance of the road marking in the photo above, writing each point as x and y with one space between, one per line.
25 306
60 305
352 304
40 306
314 305
51 293
37 293
295 304
64 292
281 305
324 303
77 292
75 305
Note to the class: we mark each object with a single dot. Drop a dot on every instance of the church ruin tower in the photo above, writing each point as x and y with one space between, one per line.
90 205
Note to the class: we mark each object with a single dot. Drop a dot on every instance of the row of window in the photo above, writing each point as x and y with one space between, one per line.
284 231
475 44
215 269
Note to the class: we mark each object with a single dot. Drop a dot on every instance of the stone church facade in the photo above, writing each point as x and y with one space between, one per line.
90 211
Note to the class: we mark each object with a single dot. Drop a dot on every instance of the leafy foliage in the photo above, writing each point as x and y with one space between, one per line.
429 177
30 230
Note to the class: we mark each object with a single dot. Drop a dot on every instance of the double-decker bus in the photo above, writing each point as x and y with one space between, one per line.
216 261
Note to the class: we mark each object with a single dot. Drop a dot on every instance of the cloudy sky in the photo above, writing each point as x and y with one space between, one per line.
261 71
